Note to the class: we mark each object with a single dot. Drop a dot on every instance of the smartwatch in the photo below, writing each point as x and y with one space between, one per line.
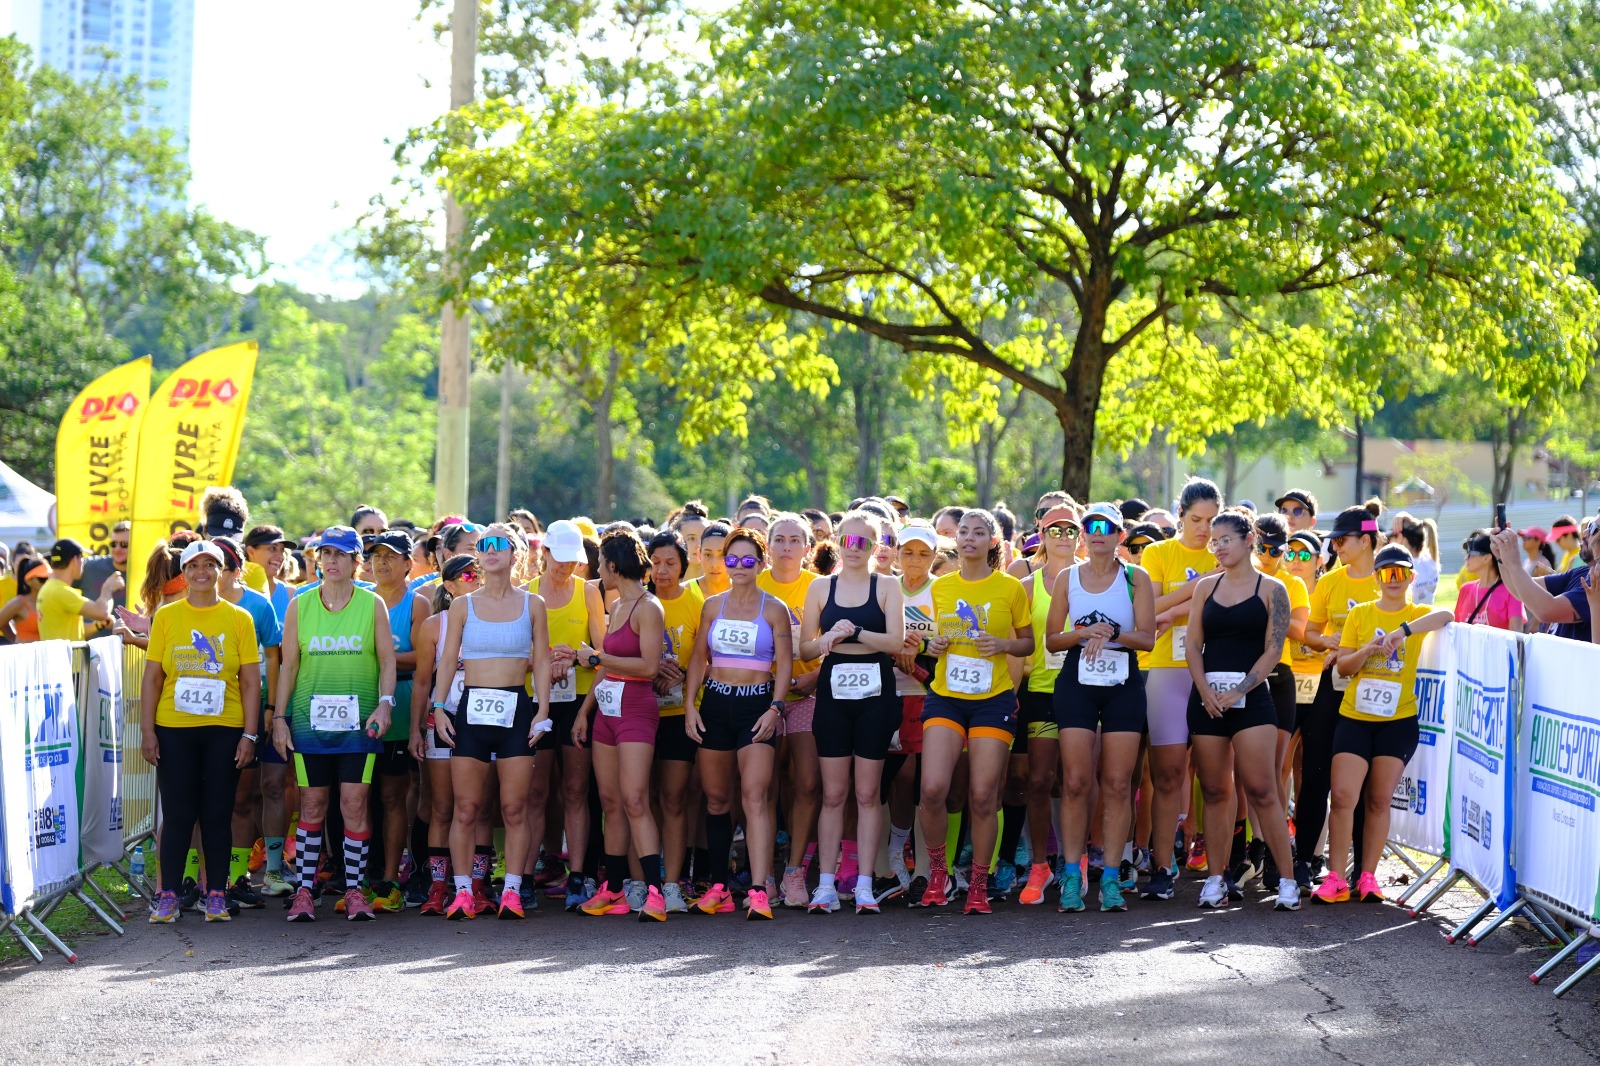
386 699
856 636
594 660
251 737
1405 627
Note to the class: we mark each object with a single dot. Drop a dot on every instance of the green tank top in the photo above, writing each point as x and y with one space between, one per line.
1041 677
338 658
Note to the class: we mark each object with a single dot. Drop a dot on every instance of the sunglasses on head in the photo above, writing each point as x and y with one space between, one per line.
494 544
1387 574
1268 549
745 562
1061 529
1298 555
1098 526
1040 512
854 543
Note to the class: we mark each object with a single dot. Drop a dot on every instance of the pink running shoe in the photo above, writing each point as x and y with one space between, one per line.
463 906
356 907
1367 889
1334 889
717 900
655 906
303 908
795 894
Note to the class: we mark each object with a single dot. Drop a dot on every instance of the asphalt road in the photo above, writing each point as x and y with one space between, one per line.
1163 983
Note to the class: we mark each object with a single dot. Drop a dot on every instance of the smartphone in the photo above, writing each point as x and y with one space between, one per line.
1500 516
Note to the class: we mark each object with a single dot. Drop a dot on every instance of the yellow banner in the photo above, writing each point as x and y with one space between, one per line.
97 453
189 442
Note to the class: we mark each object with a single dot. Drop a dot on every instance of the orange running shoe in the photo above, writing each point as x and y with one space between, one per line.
1039 879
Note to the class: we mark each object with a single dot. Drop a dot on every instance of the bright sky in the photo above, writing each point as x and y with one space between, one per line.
293 103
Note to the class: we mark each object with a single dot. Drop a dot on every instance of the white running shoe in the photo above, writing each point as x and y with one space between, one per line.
825 900
672 892
1288 895
634 892
1214 893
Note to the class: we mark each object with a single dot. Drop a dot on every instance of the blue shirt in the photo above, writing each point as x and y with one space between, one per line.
269 629
281 595
1568 585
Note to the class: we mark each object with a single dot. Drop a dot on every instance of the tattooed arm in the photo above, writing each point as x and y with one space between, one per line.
1278 618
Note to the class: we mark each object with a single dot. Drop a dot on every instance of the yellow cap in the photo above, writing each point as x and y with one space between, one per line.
588 528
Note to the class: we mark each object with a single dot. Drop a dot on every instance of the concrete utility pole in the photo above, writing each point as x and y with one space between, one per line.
502 472
455 332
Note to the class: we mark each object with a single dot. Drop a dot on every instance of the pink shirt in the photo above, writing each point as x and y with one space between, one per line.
1502 610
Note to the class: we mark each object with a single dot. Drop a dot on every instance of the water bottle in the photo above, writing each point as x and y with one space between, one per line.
137 866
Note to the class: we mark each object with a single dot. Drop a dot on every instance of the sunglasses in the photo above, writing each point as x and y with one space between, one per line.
1223 543
1268 549
854 543
1293 512
1098 527
1061 529
1386 574
494 544
1298 555
887 540
469 576
747 562
119 544
1135 549
1040 512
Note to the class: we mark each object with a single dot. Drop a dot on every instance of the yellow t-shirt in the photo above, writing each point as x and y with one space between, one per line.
962 609
1298 598
60 611
8 588
1384 689
207 644
1302 659
683 626
1336 595
255 577
569 625
1172 564
793 596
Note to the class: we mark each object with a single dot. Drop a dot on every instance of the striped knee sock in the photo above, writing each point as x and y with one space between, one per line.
307 851
355 858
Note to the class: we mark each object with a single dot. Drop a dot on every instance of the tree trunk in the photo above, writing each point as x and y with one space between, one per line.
1361 459
605 457
1083 379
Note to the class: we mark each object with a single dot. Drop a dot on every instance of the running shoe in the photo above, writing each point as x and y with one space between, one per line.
825 900
303 908
1214 893
635 892
1111 895
866 904
937 894
605 902
190 898
1334 889
958 881
672 895
1269 871
274 884
258 856
1241 873
655 906
481 903
576 896
1235 893
433 906
794 888
885 889
715 900
1288 895
387 898
1367 889
417 890
1005 877
1197 853
1159 886
1039 879
217 907
757 905
977 903
529 894
1097 862
914 891
1127 876
357 907
1141 860
1302 875
342 904
510 906
243 895
463 906
1071 891
166 909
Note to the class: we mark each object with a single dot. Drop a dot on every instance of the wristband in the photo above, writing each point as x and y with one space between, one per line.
251 737
440 706
1405 627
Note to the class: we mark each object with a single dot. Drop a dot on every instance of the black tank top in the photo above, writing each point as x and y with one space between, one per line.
869 616
1236 635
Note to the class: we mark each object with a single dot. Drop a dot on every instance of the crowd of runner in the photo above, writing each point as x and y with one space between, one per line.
770 710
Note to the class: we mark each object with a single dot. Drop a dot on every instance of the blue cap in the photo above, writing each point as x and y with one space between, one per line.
341 538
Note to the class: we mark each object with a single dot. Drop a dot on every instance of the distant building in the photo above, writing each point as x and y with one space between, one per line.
151 38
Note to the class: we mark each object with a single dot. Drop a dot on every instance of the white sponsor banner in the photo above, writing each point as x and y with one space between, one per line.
1416 814
38 771
1557 836
102 757
1482 687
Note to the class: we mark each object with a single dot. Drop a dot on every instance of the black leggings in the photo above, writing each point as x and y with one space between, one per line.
1317 723
196 779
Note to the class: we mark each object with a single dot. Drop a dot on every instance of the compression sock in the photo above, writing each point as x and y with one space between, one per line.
952 834
700 863
719 842
275 855
355 857
438 863
616 872
1236 851
482 857
897 848
419 840
652 870
936 860
238 865
307 852
978 882
191 866
811 853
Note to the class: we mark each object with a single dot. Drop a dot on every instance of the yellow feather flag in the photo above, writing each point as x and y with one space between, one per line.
97 454
189 442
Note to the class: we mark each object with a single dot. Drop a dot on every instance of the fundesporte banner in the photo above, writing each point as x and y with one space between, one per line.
1481 696
39 750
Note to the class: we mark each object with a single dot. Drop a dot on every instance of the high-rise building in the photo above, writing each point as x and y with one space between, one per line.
151 38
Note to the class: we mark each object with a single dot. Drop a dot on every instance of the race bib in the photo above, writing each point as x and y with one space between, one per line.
435 750
1305 687
1340 681
1104 670
1180 641
608 697
967 675
1055 660
492 707
673 698
1381 699
1221 681
732 637
855 681
335 714
564 686
458 685
199 695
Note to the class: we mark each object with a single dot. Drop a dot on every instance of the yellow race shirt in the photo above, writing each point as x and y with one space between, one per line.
1336 595
1298 598
962 610
569 625
794 597
683 626
201 650
1384 688
60 611
1172 564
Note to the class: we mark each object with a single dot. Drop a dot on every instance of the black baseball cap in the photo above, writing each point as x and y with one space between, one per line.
396 540
1304 499
1144 533
63 552
1393 555
458 565
263 535
1307 538
224 519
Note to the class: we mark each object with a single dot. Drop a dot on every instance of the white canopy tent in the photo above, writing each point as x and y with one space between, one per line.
27 512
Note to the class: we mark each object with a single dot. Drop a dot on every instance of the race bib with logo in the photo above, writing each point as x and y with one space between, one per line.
1222 680
732 637
673 697
1305 687
564 686
1381 699
1340 681
1104 670
1180 641
608 697
335 714
491 707
204 696
1055 660
969 676
855 681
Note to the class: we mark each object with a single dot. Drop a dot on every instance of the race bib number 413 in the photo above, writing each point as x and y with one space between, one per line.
969 676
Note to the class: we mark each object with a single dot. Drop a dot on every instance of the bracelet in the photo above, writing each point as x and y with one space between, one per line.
440 706
251 737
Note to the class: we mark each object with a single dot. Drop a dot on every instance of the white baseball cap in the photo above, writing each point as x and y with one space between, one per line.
564 541
920 532
199 548
1105 510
